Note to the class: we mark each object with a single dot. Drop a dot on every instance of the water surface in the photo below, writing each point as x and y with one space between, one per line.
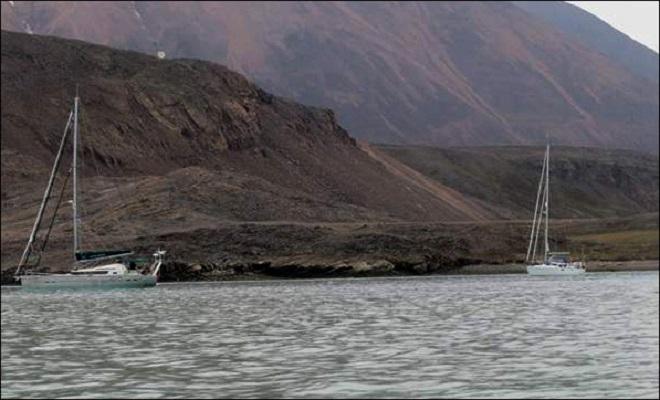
445 336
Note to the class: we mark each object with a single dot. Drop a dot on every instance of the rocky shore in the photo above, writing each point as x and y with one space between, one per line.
263 270
295 250
178 272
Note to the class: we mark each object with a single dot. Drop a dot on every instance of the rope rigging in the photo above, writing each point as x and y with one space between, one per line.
52 220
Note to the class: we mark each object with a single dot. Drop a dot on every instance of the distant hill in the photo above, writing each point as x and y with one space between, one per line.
584 182
436 73
597 34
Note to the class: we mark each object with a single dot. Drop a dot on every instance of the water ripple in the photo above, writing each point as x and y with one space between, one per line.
475 336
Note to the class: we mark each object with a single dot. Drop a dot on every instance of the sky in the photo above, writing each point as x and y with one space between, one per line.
637 19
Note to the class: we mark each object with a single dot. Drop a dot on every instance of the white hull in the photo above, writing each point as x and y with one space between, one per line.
56 281
545 269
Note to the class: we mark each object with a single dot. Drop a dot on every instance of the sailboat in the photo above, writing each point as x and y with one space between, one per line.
554 263
98 268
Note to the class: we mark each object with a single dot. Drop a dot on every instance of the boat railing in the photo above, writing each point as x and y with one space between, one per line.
35 273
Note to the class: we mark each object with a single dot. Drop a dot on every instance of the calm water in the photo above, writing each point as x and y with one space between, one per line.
461 336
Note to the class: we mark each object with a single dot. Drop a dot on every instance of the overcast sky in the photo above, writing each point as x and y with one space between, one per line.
637 19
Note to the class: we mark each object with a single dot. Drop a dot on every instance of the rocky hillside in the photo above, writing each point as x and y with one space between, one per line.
179 145
191 156
195 123
584 182
439 73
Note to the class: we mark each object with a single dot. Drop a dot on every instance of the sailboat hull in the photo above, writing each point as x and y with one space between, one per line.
58 281
550 269
101 276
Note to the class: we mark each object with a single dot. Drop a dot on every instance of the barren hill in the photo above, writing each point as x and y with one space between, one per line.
584 182
192 156
436 73
175 145
146 117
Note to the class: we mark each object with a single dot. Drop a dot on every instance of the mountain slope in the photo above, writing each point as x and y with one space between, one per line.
144 116
170 146
191 156
438 73
597 34
584 182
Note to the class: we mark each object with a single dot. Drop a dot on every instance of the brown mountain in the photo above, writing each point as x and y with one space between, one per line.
596 34
144 116
191 156
178 145
439 73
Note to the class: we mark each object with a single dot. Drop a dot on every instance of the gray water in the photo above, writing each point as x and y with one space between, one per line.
461 336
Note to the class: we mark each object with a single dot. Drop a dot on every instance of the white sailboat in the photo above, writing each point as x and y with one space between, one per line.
99 268
554 263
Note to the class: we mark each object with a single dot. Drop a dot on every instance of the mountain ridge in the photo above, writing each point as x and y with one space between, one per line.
593 31
444 74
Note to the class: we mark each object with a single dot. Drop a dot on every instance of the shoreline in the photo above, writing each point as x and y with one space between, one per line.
469 269
375 269
592 266
273 250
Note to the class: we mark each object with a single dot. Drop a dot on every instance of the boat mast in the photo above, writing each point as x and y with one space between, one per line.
49 187
547 201
536 221
76 220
